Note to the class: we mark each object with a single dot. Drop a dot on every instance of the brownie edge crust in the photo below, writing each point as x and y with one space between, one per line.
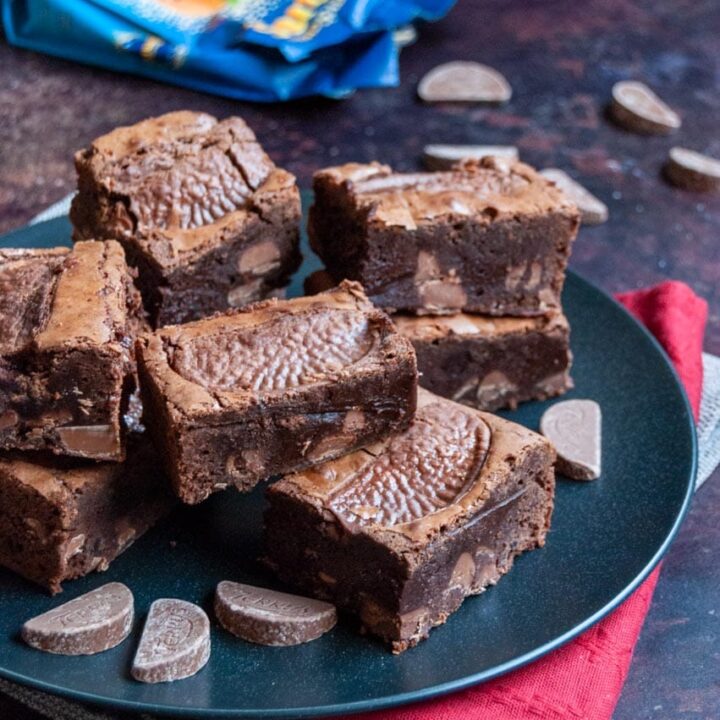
400 532
274 387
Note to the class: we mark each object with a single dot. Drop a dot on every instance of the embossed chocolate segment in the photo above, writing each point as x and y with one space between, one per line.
181 170
284 353
574 428
460 81
593 210
443 157
267 617
693 171
175 642
89 624
636 107
418 473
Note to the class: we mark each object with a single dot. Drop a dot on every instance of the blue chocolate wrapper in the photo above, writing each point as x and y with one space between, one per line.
262 50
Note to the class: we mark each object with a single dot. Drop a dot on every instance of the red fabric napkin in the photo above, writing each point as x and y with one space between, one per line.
583 679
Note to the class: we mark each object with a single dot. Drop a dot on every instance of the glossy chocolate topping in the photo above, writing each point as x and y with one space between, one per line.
181 170
285 352
420 472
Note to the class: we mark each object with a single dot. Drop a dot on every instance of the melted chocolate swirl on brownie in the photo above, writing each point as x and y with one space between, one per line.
420 472
276 355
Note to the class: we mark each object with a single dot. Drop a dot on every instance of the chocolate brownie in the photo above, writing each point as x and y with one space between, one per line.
277 386
402 531
491 362
491 236
67 326
61 519
201 210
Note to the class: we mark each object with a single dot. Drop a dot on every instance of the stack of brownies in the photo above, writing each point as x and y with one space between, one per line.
395 503
471 263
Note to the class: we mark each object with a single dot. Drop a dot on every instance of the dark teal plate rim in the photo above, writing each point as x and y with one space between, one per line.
685 424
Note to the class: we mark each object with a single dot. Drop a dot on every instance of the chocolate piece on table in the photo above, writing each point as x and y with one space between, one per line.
489 237
201 210
693 171
593 210
278 386
469 492
491 362
461 81
445 157
636 107
267 617
574 427
175 642
89 624
67 327
62 519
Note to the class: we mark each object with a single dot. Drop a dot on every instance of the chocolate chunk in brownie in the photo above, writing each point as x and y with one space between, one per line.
201 210
491 362
277 386
61 519
67 328
402 531
490 236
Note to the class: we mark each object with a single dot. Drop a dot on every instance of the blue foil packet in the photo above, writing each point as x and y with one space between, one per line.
263 50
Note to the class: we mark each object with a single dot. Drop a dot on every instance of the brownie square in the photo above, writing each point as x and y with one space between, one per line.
62 519
400 532
68 320
491 236
491 362
272 388
201 210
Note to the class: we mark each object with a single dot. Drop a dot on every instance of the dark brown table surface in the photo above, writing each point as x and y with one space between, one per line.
561 57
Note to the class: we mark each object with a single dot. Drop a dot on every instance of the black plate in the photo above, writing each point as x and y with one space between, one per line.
606 537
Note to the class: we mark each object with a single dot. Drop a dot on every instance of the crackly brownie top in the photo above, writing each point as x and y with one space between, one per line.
272 347
430 328
182 170
60 297
26 282
485 190
423 481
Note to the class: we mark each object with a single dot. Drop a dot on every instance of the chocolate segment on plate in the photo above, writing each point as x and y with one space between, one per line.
201 210
460 81
574 428
489 237
234 399
175 642
636 107
67 327
89 624
491 362
593 210
61 520
267 617
693 171
403 530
